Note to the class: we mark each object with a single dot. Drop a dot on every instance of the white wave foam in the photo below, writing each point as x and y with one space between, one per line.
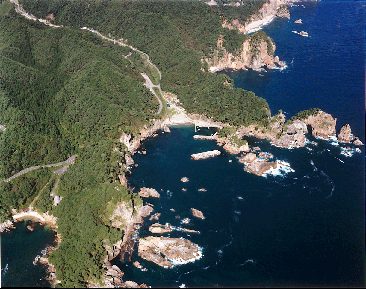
5 270
334 141
349 152
179 261
283 168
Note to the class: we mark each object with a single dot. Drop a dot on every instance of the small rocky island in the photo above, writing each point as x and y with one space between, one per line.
168 252
148 193
205 155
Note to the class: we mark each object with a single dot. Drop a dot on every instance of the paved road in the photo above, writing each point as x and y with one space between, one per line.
68 162
20 10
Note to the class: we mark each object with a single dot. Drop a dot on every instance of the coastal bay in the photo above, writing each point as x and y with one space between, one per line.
304 185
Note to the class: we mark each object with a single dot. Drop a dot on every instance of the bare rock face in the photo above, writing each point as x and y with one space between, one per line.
345 135
145 211
255 53
122 215
168 252
357 142
283 12
322 124
248 158
257 166
205 155
231 147
160 229
155 217
293 136
197 213
148 193
184 180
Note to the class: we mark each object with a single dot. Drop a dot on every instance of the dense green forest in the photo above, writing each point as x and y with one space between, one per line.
176 35
65 92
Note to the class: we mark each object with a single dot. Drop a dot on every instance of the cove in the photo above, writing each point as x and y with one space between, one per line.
19 247
303 228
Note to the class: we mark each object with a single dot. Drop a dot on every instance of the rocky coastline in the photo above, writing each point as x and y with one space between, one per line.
266 14
205 155
46 220
256 52
292 133
168 252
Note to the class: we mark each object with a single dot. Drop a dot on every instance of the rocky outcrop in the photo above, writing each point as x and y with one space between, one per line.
292 133
128 218
292 136
148 193
345 135
357 142
184 180
160 229
6 226
298 21
255 165
168 252
205 155
155 217
322 124
204 137
256 52
197 214
265 15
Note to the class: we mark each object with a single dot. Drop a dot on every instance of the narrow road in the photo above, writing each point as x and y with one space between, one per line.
152 87
20 10
68 162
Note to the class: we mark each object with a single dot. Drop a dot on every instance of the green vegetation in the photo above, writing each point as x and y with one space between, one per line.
305 114
66 92
176 35
241 13
228 132
257 38
233 40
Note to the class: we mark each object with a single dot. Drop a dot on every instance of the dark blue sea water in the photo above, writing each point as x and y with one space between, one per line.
19 247
305 228
325 70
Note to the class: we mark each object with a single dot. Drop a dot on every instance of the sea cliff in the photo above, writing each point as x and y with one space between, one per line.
256 52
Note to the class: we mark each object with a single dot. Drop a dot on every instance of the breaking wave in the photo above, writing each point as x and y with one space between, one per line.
283 168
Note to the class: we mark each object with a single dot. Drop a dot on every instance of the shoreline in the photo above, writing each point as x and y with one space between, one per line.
45 220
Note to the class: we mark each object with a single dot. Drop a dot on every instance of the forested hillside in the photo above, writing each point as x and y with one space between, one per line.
176 35
65 92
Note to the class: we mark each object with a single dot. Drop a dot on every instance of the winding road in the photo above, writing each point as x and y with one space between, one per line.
64 164
145 57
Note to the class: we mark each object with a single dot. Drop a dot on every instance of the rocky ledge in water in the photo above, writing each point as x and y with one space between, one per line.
292 133
157 228
168 252
205 155
256 52
346 136
197 213
258 166
148 193
228 140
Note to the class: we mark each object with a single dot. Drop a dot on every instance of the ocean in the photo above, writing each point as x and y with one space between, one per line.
300 228
19 248
303 228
